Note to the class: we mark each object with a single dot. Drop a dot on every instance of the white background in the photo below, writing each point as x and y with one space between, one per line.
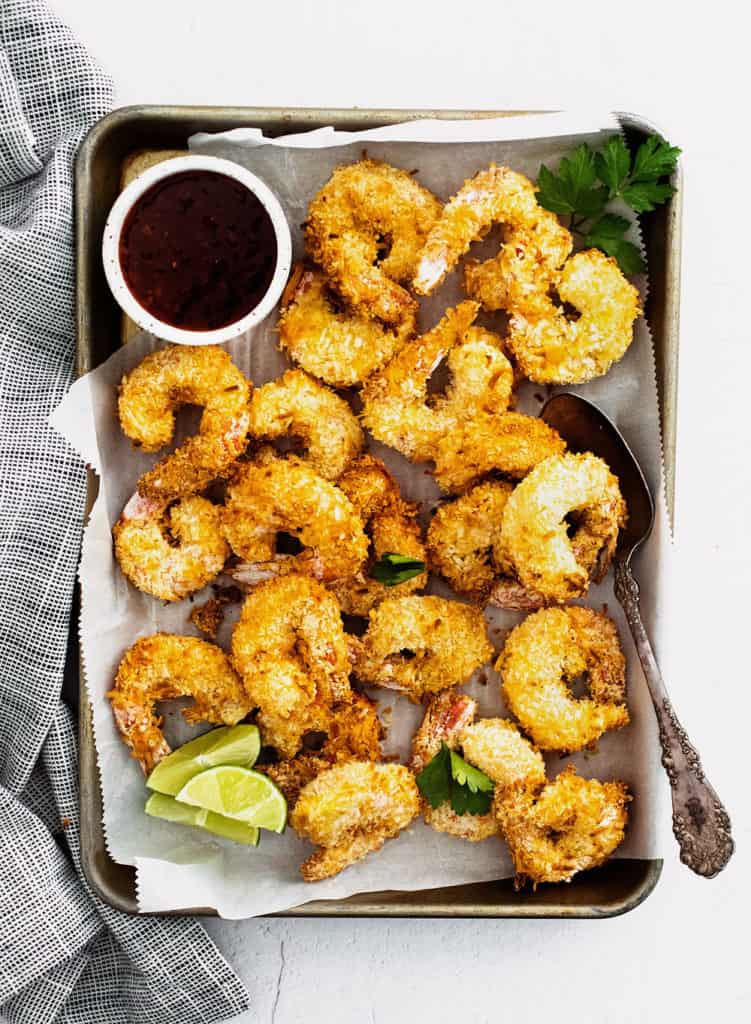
684 955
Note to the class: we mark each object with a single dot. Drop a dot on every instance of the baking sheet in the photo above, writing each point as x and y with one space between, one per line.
177 867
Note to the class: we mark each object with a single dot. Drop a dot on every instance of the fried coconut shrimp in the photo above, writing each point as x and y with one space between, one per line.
163 666
447 714
496 195
551 348
290 649
396 406
338 346
365 228
353 734
570 825
526 267
542 658
350 810
170 550
151 394
462 536
560 526
422 644
392 528
272 495
510 443
296 405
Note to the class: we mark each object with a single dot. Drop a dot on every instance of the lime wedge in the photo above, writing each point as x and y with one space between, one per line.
161 806
238 793
237 744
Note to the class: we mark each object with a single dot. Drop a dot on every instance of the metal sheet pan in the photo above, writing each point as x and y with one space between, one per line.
613 889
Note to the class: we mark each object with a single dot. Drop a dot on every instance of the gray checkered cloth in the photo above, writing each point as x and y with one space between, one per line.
64 956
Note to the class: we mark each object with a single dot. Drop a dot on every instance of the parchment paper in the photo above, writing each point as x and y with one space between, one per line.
179 867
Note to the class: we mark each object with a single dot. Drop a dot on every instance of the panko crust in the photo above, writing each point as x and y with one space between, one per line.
496 747
462 535
509 443
271 495
291 651
150 395
422 644
163 666
391 526
296 405
339 346
170 551
553 349
541 659
360 205
534 538
350 810
570 825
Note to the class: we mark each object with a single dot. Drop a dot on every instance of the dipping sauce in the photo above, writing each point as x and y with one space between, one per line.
198 250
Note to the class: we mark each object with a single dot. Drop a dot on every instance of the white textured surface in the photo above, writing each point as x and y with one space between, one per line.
683 955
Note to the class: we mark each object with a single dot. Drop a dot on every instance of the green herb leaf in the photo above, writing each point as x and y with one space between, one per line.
392 569
552 193
654 159
607 234
448 777
646 195
434 781
467 775
612 164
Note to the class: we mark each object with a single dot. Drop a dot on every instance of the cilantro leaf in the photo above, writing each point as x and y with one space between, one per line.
646 195
654 159
552 193
612 164
392 569
573 189
448 777
467 775
434 781
607 234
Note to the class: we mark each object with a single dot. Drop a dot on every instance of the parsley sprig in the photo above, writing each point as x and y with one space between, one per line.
587 181
392 569
448 777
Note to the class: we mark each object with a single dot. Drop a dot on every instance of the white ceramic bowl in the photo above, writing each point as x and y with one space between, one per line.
111 250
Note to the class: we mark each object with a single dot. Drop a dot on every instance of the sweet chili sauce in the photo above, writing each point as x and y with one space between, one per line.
198 250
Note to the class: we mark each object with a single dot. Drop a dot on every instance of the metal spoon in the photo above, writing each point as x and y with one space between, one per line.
700 822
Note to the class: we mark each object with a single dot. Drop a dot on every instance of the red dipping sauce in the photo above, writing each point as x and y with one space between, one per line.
198 250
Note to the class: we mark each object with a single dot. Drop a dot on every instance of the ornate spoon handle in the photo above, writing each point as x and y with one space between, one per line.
700 822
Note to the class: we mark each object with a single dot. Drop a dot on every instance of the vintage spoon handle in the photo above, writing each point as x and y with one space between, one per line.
700 822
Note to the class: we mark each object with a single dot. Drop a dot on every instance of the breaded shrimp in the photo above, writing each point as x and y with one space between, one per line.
353 734
272 495
510 443
298 406
541 659
422 644
526 267
290 649
396 407
392 527
462 535
560 525
170 551
570 825
496 747
350 810
551 348
162 666
185 375
364 209
496 195
340 347
447 714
